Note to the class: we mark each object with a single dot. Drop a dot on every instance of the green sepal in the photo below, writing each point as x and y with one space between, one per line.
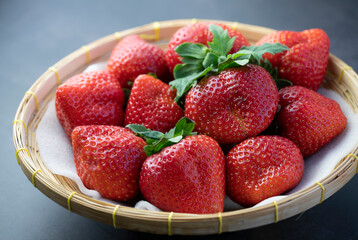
192 50
144 132
153 75
221 43
184 127
231 62
185 70
182 85
156 141
255 53
210 60
192 61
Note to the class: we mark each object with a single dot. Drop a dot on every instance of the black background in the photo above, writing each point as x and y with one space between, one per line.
34 35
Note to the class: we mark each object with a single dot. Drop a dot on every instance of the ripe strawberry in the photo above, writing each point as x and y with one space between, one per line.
108 159
186 177
233 99
306 62
234 105
309 119
152 105
198 33
262 167
186 173
89 99
132 57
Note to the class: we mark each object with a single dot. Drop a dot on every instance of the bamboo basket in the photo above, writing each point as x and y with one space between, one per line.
340 77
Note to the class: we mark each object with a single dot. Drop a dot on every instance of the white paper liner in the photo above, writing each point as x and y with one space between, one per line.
56 152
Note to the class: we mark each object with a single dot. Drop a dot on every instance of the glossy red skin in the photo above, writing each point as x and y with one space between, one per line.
108 159
306 62
152 105
198 33
92 98
236 104
309 119
133 56
188 177
262 167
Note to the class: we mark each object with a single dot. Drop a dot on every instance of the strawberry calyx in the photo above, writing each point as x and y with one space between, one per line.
157 140
201 61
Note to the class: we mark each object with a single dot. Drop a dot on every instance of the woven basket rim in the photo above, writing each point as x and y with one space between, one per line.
26 113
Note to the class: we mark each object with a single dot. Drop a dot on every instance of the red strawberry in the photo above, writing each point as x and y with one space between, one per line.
262 167
187 177
306 62
133 56
184 172
230 98
152 105
88 99
108 159
309 119
234 105
198 33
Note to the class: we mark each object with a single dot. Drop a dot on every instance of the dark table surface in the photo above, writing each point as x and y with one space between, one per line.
36 34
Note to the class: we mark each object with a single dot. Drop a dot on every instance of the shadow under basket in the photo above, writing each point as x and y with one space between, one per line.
339 77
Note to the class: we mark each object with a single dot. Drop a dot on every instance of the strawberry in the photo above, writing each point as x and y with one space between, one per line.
309 119
88 99
262 167
306 62
134 56
198 33
151 104
234 105
108 159
233 99
185 173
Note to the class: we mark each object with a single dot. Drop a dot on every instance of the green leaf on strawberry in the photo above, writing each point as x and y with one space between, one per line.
157 141
190 51
200 61
254 53
183 84
145 132
221 43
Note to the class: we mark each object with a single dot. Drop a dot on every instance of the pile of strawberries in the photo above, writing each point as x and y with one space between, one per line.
254 109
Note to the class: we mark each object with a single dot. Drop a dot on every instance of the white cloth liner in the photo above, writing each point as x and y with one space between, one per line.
56 152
